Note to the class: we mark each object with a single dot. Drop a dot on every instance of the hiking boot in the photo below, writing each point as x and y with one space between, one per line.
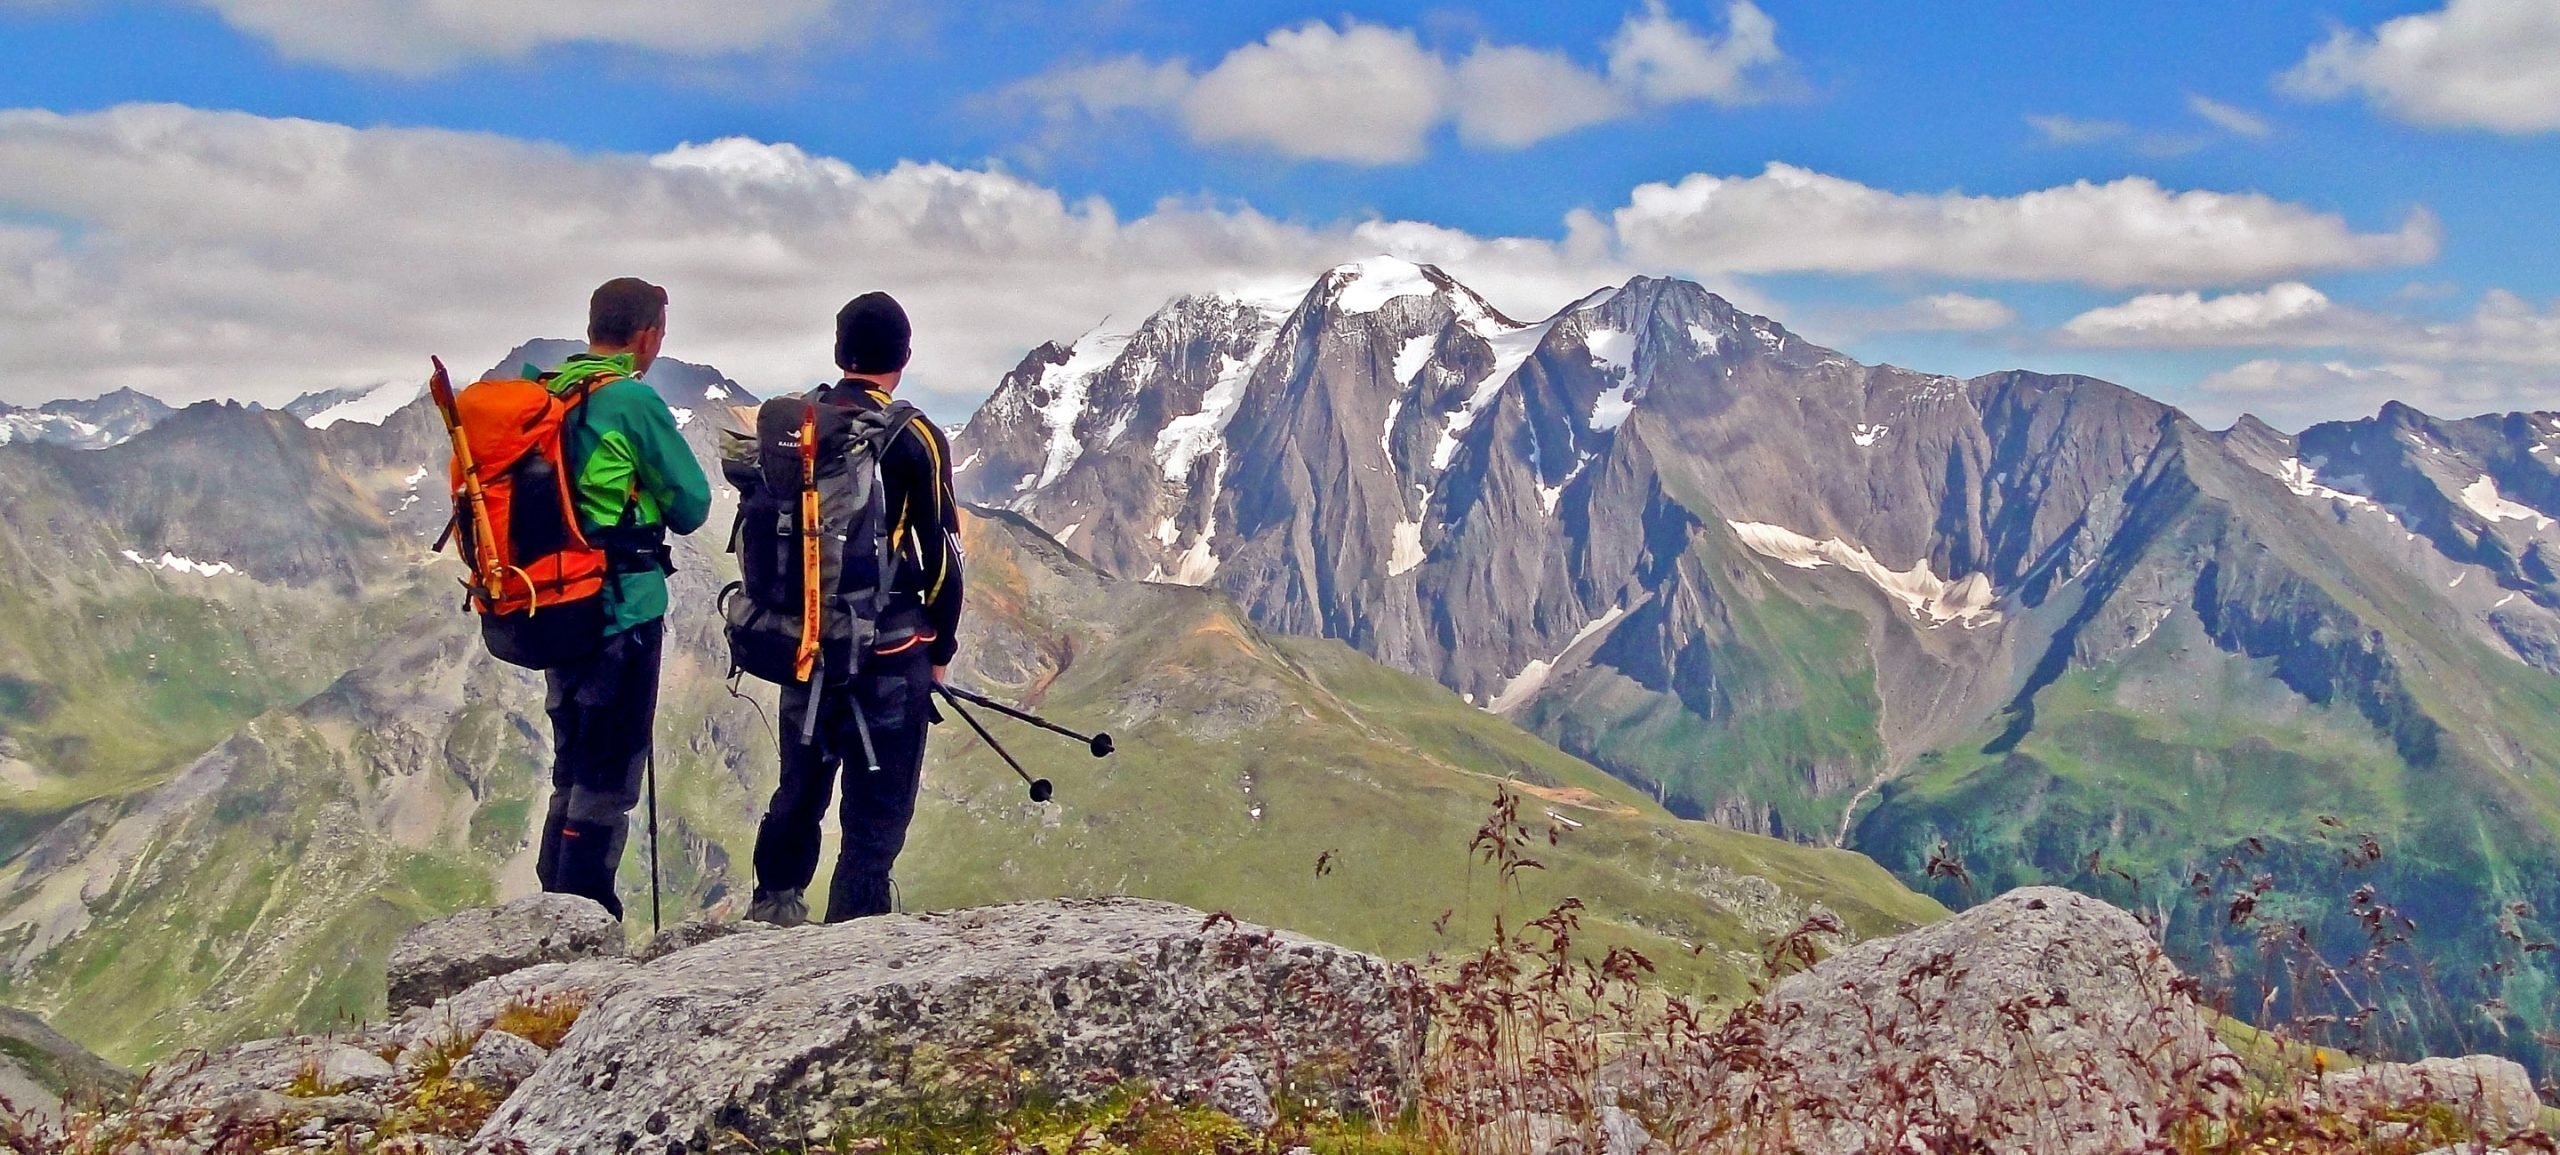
784 908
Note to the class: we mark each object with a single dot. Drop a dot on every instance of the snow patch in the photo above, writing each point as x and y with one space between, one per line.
715 392
1416 354
1368 285
1967 600
1199 563
1611 349
1387 432
1867 435
2304 481
1190 437
1512 348
1407 553
373 408
415 477
186 565
1069 533
973 458
684 416
1519 688
1067 384
1611 409
2483 498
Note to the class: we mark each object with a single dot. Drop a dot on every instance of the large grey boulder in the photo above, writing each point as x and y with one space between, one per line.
788 1037
2042 1021
2492 1094
448 955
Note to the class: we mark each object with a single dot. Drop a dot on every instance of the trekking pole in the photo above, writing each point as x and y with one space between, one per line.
652 771
1040 789
1100 744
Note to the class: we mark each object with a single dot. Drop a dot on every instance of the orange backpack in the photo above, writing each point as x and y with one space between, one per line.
536 581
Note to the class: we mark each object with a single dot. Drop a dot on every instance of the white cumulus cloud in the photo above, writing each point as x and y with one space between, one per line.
417 37
2126 232
2504 354
2292 394
204 253
1363 93
2492 64
2503 329
2291 309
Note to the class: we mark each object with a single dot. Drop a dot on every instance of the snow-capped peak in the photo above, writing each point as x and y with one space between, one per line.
372 407
1367 286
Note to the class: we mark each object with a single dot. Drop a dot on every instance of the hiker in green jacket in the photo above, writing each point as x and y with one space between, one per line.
636 481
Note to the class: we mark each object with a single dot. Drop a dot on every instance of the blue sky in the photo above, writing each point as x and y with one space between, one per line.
302 212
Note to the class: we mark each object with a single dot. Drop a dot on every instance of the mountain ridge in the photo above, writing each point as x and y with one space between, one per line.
1785 591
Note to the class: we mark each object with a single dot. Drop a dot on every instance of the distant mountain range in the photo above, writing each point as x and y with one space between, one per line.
121 416
92 424
2040 625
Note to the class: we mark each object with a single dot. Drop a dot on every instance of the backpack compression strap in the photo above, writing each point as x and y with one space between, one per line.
805 663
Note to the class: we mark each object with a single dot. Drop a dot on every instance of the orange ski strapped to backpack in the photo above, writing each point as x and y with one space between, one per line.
536 582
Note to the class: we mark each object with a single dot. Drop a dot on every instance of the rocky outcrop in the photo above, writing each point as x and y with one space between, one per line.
303 1066
2493 1094
2041 1021
789 1037
448 955
466 1014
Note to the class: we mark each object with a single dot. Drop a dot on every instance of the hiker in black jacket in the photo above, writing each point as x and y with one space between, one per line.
894 683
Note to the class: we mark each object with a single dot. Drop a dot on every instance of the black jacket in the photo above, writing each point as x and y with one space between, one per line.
924 521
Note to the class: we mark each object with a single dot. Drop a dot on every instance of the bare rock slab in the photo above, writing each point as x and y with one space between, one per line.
221 1080
448 955
789 1037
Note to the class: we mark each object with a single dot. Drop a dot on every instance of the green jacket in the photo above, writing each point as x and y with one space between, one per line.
631 457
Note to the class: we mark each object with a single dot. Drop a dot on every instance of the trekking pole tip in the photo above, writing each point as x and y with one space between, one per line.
1102 746
1040 790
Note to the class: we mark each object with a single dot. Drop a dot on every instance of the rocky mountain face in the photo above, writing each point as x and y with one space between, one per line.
2036 624
282 744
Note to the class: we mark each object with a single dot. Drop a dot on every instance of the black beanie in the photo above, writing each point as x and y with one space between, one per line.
871 335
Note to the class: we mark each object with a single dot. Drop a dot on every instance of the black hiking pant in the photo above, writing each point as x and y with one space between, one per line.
895 692
603 709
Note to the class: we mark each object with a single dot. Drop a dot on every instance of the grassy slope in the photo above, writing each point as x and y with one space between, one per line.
1798 684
